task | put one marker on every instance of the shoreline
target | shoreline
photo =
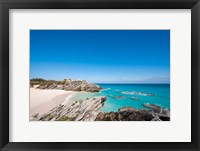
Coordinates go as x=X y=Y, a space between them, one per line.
x=42 y=101
x=67 y=99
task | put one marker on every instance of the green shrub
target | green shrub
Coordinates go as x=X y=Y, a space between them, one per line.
x=37 y=80
x=66 y=118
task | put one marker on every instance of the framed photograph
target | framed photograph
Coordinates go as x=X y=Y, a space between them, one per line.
x=99 y=75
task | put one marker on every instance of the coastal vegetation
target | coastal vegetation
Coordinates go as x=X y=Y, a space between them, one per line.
x=66 y=84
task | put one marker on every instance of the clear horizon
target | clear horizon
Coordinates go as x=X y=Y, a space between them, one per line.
x=101 y=56
x=107 y=83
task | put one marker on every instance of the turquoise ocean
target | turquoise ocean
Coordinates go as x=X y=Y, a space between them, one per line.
x=134 y=95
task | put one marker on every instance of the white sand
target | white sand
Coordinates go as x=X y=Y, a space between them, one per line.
x=42 y=101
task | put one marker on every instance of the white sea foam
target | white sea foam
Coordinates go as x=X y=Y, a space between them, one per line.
x=138 y=93
x=105 y=89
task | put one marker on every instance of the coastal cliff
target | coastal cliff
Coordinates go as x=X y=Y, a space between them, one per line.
x=66 y=84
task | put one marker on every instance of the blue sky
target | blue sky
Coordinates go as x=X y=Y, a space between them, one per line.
x=101 y=56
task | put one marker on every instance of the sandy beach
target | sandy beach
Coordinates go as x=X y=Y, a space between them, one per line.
x=42 y=101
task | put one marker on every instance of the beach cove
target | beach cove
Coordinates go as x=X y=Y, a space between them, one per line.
x=78 y=100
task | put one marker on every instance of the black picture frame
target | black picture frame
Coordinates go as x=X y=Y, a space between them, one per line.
x=5 y=5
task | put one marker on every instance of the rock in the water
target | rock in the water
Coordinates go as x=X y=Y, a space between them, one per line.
x=138 y=93
x=150 y=94
x=151 y=106
x=82 y=110
x=134 y=98
x=127 y=109
x=119 y=97
x=132 y=114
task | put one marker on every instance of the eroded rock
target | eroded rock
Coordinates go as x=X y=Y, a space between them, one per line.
x=68 y=85
x=82 y=110
x=131 y=114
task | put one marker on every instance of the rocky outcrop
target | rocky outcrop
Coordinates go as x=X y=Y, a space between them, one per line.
x=134 y=98
x=89 y=110
x=82 y=110
x=138 y=93
x=68 y=85
x=119 y=97
x=155 y=113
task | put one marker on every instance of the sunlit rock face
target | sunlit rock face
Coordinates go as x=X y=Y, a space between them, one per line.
x=68 y=85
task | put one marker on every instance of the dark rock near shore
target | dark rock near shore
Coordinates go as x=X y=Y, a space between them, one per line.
x=152 y=106
x=163 y=113
x=131 y=114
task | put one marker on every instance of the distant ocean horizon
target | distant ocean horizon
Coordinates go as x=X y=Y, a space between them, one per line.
x=126 y=94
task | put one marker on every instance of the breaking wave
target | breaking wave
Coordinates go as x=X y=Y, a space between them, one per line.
x=138 y=93
x=105 y=89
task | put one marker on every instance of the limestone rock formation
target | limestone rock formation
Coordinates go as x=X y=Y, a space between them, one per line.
x=82 y=110
x=67 y=84
x=131 y=114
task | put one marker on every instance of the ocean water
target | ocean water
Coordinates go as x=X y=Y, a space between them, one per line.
x=134 y=95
